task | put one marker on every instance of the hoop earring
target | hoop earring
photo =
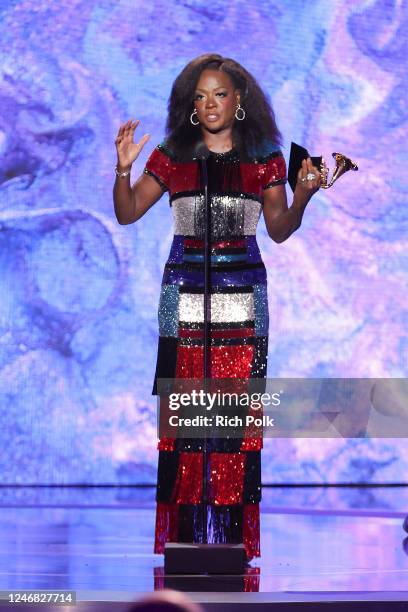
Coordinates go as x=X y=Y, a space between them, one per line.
x=191 y=117
x=239 y=108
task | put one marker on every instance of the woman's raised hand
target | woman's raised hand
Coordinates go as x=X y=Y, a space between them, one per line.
x=126 y=149
x=305 y=187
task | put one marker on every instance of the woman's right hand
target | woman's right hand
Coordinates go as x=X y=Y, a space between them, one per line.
x=126 y=149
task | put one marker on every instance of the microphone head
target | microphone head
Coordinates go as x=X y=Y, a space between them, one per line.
x=201 y=151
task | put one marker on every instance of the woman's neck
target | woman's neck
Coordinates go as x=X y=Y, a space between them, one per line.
x=218 y=143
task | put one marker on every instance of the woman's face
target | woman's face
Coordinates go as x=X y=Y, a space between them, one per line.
x=216 y=100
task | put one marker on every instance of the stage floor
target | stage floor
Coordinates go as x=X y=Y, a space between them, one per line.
x=98 y=542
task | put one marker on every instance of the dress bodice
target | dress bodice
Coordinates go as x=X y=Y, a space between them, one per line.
x=235 y=189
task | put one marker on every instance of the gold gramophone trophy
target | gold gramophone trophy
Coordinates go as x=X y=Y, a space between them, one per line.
x=343 y=164
x=298 y=154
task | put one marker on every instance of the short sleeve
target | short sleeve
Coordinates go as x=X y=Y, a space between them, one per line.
x=158 y=166
x=275 y=170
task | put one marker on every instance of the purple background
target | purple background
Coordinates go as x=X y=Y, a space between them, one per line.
x=79 y=293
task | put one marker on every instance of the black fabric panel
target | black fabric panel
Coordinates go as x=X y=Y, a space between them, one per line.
x=224 y=251
x=216 y=445
x=225 y=290
x=223 y=325
x=278 y=182
x=190 y=523
x=265 y=158
x=225 y=267
x=166 y=475
x=259 y=361
x=189 y=445
x=240 y=341
x=224 y=523
x=166 y=360
x=252 y=478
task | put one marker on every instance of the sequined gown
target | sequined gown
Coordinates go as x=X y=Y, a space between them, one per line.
x=239 y=338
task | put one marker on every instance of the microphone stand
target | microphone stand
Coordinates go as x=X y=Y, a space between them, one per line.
x=179 y=558
x=203 y=153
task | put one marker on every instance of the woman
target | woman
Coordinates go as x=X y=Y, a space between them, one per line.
x=216 y=101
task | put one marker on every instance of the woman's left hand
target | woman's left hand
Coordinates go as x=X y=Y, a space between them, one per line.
x=305 y=188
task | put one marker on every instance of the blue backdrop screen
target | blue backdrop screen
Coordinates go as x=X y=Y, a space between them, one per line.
x=79 y=293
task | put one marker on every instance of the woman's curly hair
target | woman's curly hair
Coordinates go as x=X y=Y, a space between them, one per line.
x=252 y=137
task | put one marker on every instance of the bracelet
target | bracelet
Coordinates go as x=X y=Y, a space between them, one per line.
x=122 y=174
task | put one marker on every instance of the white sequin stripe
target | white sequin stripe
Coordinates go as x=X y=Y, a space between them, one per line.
x=225 y=307
x=185 y=213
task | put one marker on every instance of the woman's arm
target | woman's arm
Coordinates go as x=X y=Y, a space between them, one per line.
x=131 y=202
x=280 y=220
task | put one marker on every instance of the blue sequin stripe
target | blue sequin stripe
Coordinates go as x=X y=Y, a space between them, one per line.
x=178 y=255
x=189 y=257
x=186 y=274
x=195 y=278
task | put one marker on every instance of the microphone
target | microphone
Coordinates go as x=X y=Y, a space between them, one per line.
x=201 y=151
x=201 y=154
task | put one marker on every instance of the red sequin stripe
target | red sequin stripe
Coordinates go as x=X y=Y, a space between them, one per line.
x=226 y=361
x=226 y=479
x=231 y=361
x=158 y=574
x=256 y=176
x=242 y=332
x=250 y=531
x=189 y=362
x=181 y=177
x=166 y=529
x=188 y=485
x=223 y=244
x=251 y=579
x=226 y=482
x=159 y=164
x=275 y=170
x=190 y=333
x=251 y=444
x=253 y=433
x=184 y=177
x=164 y=444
